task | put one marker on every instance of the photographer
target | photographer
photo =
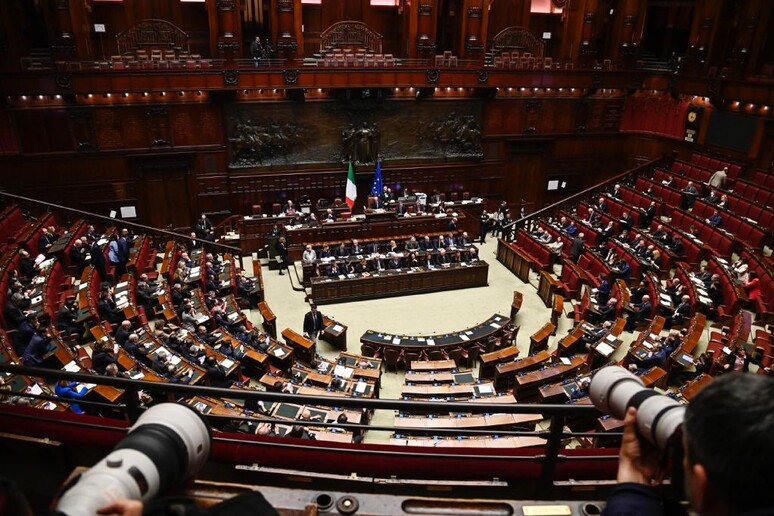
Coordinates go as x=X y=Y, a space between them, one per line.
x=727 y=439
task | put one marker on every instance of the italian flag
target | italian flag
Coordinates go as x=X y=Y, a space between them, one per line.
x=351 y=188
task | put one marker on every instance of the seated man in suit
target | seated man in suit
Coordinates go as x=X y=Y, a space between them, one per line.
x=689 y=195
x=134 y=347
x=627 y=221
x=107 y=309
x=715 y=220
x=35 y=353
x=442 y=258
x=78 y=255
x=356 y=249
x=591 y=217
x=607 y=232
x=333 y=270
x=602 y=205
x=464 y=240
x=394 y=262
x=713 y=197
x=622 y=269
x=342 y=251
x=412 y=245
x=641 y=313
x=449 y=241
x=616 y=193
x=681 y=313
x=607 y=311
x=372 y=247
x=571 y=229
x=426 y=244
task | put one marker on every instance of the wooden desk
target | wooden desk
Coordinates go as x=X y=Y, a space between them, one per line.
x=483 y=442
x=689 y=390
x=334 y=333
x=269 y=319
x=513 y=260
x=420 y=423
x=432 y=365
x=490 y=360
x=391 y=283
x=556 y=311
x=504 y=373
x=518 y=299
x=449 y=391
x=477 y=334
x=547 y=286
x=548 y=374
x=539 y=340
x=440 y=377
x=304 y=348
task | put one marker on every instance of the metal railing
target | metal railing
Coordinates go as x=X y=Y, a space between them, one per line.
x=548 y=457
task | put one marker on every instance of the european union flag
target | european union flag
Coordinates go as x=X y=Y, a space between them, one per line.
x=377 y=186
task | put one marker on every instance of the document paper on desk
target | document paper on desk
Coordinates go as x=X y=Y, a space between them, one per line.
x=605 y=349
x=361 y=387
x=566 y=361
x=342 y=371
x=337 y=328
x=72 y=367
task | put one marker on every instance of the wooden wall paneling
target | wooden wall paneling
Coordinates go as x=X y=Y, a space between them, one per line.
x=514 y=13
x=225 y=28
x=165 y=191
x=312 y=25
x=387 y=22
x=540 y=23
x=474 y=18
x=42 y=131
x=195 y=21
x=588 y=38
x=623 y=43
x=61 y=31
x=286 y=20
x=114 y=17
x=572 y=30
x=760 y=22
x=196 y=124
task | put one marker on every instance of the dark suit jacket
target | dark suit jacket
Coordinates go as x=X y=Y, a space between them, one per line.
x=313 y=322
x=577 y=247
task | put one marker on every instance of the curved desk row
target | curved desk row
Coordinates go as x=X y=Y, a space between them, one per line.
x=492 y=327
x=399 y=282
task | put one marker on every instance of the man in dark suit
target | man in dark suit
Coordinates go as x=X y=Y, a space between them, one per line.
x=356 y=248
x=426 y=244
x=204 y=229
x=107 y=309
x=77 y=255
x=313 y=323
x=576 y=249
x=442 y=258
x=45 y=241
x=67 y=316
x=682 y=312
x=34 y=353
x=650 y=214
x=97 y=258
x=627 y=221
x=641 y=313
x=715 y=220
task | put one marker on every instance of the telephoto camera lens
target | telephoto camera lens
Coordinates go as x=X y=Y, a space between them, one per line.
x=168 y=444
x=614 y=389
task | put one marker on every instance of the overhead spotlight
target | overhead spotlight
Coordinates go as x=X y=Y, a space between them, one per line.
x=126 y=95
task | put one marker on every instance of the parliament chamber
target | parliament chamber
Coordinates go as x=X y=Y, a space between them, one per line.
x=496 y=198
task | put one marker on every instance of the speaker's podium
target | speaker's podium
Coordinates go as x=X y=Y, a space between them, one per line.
x=273 y=263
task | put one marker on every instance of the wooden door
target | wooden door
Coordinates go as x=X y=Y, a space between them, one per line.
x=164 y=192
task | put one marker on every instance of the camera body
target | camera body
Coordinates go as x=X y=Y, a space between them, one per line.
x=167 y=444
x=614 y=389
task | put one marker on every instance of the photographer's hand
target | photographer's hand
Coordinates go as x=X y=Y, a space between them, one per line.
x=639 y=461
x=122 y=508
